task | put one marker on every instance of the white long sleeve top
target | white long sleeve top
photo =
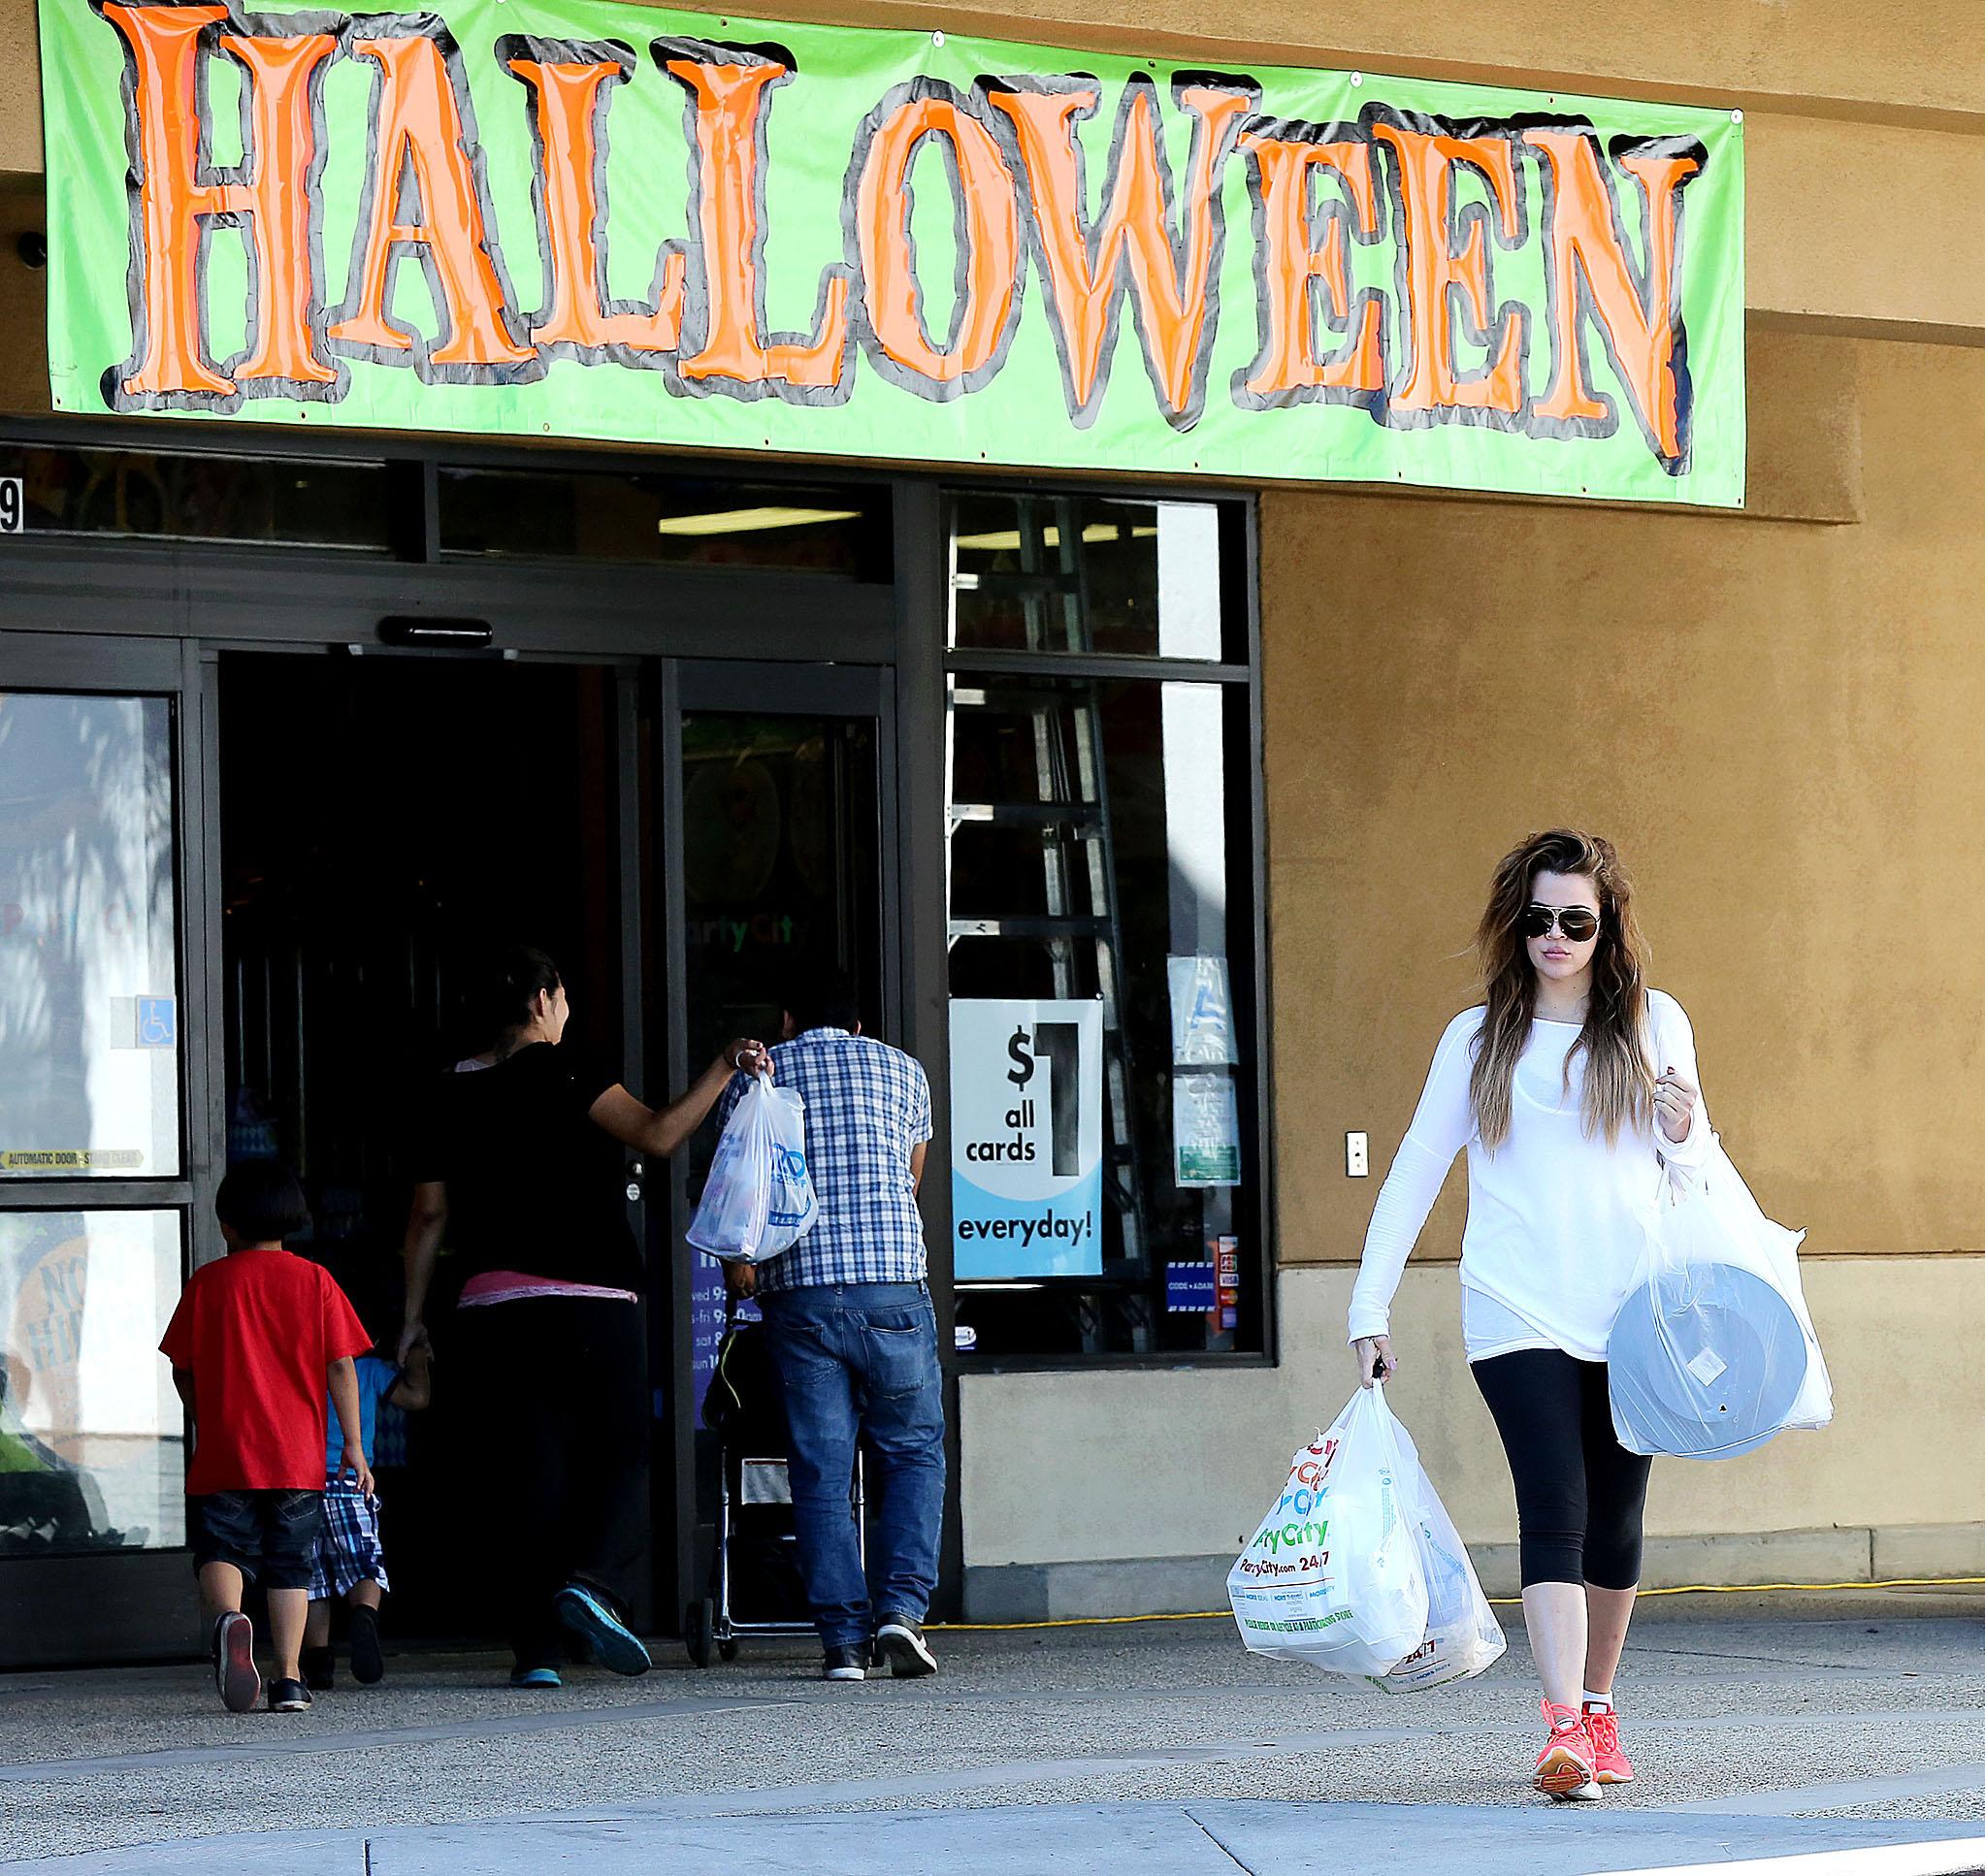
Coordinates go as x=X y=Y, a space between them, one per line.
x=1554 y=1236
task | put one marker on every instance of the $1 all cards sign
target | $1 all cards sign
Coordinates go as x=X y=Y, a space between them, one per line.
x=1026 y=1137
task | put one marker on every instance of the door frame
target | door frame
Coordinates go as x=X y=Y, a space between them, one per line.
x=761 y=688
x=131 y=1604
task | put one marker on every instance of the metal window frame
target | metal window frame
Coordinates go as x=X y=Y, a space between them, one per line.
x=1240 y=589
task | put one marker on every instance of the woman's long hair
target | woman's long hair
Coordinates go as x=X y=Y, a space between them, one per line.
x=1619 y=1082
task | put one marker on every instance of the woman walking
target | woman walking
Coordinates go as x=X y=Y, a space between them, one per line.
x=1567 y=1086
x=520 y=1161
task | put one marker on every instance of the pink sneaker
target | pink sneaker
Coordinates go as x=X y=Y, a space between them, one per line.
x=1609 y=1764
x=1565 y=1768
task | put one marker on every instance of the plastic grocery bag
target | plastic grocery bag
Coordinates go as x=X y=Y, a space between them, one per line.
x=1463 y=1635
x=759 y=1199
x=1333 y=1575
x=1715 y=1353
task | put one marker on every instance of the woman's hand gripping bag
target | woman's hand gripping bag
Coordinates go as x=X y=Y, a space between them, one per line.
x=759 y=1199
x=1714 y=1354
x=1463 y=1635
x=1333 y=1576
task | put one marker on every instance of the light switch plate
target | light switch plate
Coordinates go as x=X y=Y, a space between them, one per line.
x=1357 y=1157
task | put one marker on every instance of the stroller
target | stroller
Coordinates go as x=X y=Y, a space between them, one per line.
x=755 y=1564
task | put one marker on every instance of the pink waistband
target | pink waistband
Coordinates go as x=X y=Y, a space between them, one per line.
x=516 y=1286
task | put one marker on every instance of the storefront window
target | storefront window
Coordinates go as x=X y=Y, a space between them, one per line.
x=266 y=501
x=1102 y=930
x=671 y=520
x=91 y=1433
x=1090 y=573
x=89 y=1056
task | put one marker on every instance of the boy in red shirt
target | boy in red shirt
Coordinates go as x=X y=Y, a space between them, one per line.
x=253 y=1343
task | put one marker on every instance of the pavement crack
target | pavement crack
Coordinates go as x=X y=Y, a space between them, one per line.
x=1212 y=1837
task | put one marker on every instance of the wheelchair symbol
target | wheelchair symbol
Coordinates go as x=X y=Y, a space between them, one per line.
x=157 y=1022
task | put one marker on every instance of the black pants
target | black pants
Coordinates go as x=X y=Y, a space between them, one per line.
x=557 y=1395
x=1580 y=1493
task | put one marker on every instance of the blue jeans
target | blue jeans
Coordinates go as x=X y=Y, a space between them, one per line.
x=858 y=1364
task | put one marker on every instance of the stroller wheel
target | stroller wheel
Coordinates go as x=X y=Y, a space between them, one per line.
x=698 y=1622
x=727 y=1649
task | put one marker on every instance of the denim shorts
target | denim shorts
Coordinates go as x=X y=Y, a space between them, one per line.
x=271 y=1536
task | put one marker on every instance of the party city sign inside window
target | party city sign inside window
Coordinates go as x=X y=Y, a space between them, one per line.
x=1026 y=1137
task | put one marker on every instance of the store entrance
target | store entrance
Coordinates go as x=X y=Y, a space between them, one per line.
x=387 y=823
x=680 y=837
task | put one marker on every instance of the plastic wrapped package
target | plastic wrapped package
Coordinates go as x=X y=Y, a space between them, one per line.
x=1715 y=1353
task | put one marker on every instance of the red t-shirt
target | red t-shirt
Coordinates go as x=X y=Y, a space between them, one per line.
x=257 y=1331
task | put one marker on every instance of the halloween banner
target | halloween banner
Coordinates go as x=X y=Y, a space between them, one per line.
x=571 y=218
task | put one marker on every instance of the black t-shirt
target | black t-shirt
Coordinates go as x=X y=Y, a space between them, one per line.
x=532 y=1185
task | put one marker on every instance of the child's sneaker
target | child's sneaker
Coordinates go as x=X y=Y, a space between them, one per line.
x=1565 y=1768
x=319 y=1666
x=368 y=1664
x=234 y=1662
x=1610 y=1763
x=288 y=1696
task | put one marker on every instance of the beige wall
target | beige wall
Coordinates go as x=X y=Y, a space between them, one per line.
x=1181 y=1463
x=1776 y=721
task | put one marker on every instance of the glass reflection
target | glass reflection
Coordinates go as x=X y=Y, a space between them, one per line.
x=91 y=1435
x=1085 y=573
x=88 y=1020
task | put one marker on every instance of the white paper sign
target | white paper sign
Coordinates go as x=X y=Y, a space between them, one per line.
x=1202 y=1011
x=1206 y=1128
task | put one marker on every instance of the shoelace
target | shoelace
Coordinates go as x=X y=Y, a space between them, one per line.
x=1562 y=1719
x=1605 y=1730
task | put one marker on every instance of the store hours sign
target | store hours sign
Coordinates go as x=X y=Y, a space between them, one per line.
x=1026 y=1137
x=576 y=218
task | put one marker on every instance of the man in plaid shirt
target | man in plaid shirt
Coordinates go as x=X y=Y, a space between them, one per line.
x=854 y=1337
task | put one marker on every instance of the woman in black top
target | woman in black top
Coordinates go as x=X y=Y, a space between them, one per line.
x=519 y=1161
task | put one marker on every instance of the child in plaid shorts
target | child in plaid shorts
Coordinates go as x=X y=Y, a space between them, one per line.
x=350 y=1564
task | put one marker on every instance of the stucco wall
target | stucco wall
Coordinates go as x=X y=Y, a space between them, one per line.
x=1776 y=721
x=1179 y=1465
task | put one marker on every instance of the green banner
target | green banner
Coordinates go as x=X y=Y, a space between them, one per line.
x=571 y=218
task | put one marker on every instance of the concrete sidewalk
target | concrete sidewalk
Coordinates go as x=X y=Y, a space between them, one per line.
x=1768 y=1728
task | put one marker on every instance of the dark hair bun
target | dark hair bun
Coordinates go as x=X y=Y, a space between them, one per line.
x=512 y=981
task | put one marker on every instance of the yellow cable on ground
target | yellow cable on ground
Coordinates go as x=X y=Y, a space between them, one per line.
x=1505 y=1601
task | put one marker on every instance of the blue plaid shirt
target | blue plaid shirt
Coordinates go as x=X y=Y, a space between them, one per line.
x=867 y=1106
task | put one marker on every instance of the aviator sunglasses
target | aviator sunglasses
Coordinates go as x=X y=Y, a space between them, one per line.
x=1577 y=921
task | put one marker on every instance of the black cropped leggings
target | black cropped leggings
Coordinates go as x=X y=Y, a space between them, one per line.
x=1580 y=1493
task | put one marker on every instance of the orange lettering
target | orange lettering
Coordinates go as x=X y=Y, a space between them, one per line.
x=1434 y=269
x=423 y=157
x=988 y=244
x=570 y=87
x=730 y=89
x=274 y=199
x=1131 y=246
x=1639 y=311
x=1289 y=267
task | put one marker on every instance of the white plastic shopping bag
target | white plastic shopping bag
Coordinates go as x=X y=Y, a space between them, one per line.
x=1333 y=1575
x=1463 y=1635
x=759 y=1200
x=1715 y=1353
